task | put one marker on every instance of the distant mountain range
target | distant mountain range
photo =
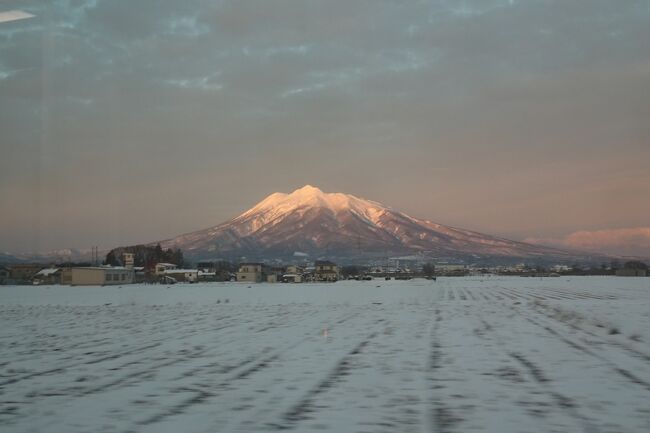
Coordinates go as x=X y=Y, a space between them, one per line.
x=56 y=256
x=311 y=223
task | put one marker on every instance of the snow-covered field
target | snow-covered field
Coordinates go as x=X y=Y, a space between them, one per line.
x=460 y=354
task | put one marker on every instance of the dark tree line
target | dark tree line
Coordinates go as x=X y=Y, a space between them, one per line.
x=635 y=264
x=218 y=266
x=429 y=269
x=353 y=271
x=146 y=256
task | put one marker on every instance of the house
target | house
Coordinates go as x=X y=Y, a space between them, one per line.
x=560 y=268
x=97 y=276
x=215 y=270
x=293 y=269
x=407 y=263
x=274 y=275
x=250 y=272
x=293 y=274
x=162 y=267
x=66 y=276
x=139 y=274
x=326 y=271
x=23 y=273
x=451 y=270
x=47 y=276
x=183 y=275
x=128 y=259
x=292 y=278
x=4 y=275
x=206 y=275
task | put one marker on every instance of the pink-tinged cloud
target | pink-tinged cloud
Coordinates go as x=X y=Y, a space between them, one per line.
x=626 y=241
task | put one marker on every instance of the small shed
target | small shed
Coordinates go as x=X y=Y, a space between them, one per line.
x=183 y=275
x=47 y=276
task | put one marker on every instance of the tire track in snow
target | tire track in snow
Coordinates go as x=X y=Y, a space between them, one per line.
x=78 y=364
x=625 y=373
x=300 y=411
x=97 y=360
x=561 y=401
x=575 y=327
x=203 y=393
x=441 y=417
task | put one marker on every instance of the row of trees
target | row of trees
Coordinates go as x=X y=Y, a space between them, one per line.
x=146 y=256
x=635 y=264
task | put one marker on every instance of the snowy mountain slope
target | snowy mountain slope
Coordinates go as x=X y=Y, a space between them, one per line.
x=335 y=224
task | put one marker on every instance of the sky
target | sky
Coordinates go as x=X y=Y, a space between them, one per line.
x=128 y=121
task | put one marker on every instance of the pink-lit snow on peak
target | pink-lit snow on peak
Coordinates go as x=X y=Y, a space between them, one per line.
x=309 y=196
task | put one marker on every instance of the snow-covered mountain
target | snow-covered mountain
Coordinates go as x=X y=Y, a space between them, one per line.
x=309 y=221
x=54 y=256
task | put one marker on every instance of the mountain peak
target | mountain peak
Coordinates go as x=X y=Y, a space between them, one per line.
x=278 y=204
x=307 y=192
x=308 y=189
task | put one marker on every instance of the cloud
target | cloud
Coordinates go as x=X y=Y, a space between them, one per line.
x=187 y=26
x=633 y=241
x=207 y=82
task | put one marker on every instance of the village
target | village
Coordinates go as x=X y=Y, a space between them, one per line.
x=166 y=273
x=257 y=272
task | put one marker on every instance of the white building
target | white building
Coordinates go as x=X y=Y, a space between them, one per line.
x=183 y=275
x=292 y=278
x=162 y=267
x=48 y=276
x=97 y=276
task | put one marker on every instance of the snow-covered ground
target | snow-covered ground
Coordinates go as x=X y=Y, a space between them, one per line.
x=460 y=354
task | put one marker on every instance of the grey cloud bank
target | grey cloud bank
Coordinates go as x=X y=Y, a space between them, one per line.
x=128 y=121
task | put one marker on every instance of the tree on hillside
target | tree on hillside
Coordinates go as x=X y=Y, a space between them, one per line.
x=353 y=271
x=111 y=259
x=429 y=269
x=177 y=258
